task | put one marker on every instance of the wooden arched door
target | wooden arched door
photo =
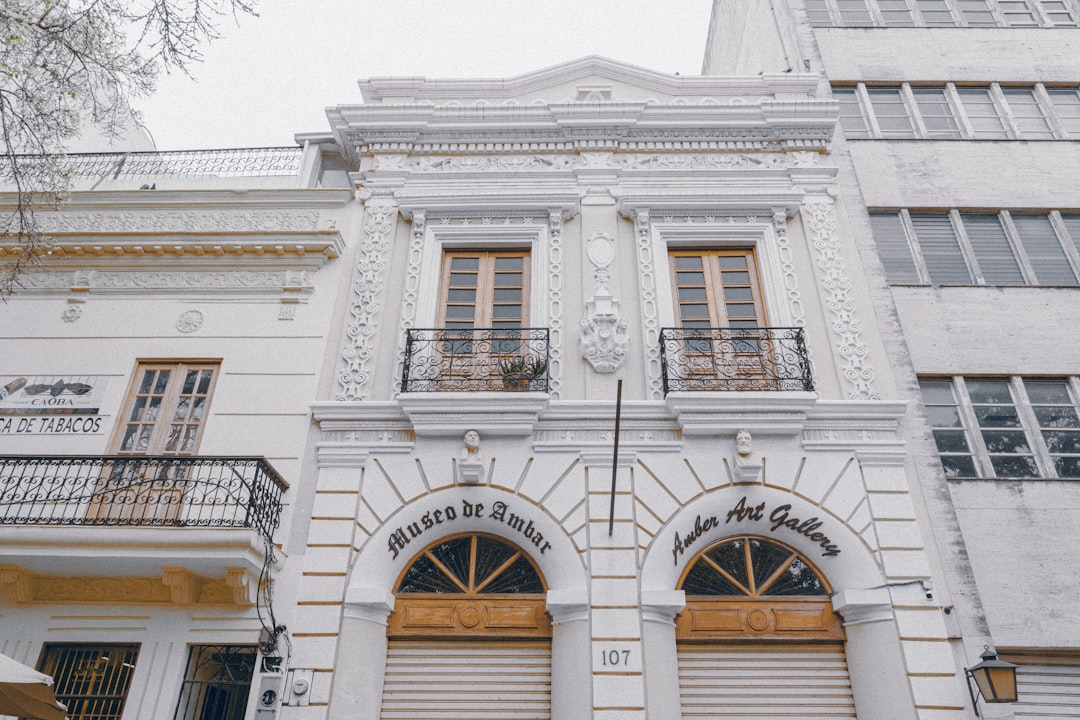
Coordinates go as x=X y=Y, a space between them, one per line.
x=469 y=635
x=759 y=636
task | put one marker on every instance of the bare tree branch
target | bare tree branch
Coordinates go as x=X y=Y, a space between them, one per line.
x=69 y=64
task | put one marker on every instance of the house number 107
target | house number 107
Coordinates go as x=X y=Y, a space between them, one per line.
x=609 y=658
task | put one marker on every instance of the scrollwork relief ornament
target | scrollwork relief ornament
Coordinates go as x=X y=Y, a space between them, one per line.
x=787 y=265
x=367 y=287
x=603 y=340
x=821 y=220
x=71 y=313
x=555 y=227
x=650 y=315
x=412 y=289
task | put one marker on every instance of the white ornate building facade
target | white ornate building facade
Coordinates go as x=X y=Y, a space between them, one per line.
x=576 y=395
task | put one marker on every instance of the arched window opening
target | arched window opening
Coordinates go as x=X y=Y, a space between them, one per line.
x=751 y=588
x=471 y=585
x=759 y=636
x=469 y=631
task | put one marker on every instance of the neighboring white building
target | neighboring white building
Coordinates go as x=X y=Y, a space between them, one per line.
x=961 y=136
x=422 y=320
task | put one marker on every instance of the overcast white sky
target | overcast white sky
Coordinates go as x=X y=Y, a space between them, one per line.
x=275 y=74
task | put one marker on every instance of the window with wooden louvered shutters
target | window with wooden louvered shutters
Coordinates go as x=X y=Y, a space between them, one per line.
x=941 y=249
x=893 y=248
x=997 y=261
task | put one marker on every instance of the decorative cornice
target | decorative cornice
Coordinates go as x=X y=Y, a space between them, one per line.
x=378 y=89
x=294 y=284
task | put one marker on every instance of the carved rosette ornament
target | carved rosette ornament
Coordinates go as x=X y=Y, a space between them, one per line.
x=845 y=323
x=359 y=346
x=603 y=340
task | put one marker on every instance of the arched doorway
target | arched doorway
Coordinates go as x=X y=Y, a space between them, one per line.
x=469 y=635
x=758 y=637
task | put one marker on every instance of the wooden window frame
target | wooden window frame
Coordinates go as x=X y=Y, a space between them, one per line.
x=170 y=398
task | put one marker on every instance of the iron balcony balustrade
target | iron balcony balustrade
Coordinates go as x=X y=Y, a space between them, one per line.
x=239 y=162
x=153 y=491
x=474 y=360
x=734 y=359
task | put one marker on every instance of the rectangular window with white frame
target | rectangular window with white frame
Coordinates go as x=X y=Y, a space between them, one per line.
x=959 y=112
x=942 y=13
x=1007 y=248
x=1005 y=427
x=166 y=408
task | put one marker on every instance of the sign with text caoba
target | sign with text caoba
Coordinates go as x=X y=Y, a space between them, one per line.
x=51 y=404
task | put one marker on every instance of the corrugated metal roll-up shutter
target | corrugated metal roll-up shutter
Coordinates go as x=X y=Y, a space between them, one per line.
x=1047 y=691
x=751 y=682
x=467 y=680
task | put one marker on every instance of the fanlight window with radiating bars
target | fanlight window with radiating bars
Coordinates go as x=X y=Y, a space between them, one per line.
x=749 y=587
x=471 y=584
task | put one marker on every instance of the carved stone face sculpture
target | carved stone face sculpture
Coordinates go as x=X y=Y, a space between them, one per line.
x=472 y=440
x=743 y=442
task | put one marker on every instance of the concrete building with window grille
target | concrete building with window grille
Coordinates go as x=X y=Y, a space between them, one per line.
x=960 y=135
x=595 y=393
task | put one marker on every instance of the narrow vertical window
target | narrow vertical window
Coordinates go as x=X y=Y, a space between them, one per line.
x=851 y=116
x=1044 y=251
x=854 y=13
x=995 y=256
x=166 y=409
x=896 y=13
x=982 y=114
x=976 y=13
x=940 y=249
x=937 y=114
x=1030 y=119
x=1057 y=13
x=893 y=248
x=1017 y=13
x=891 y=113
x=936 y=13
x=947 y=424
x=1059 y=425
x=1000 y=428
x=1066 y=103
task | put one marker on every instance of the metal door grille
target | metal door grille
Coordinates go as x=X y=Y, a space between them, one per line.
x=92 y=680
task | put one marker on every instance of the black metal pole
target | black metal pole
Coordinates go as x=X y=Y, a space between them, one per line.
x=615 y=459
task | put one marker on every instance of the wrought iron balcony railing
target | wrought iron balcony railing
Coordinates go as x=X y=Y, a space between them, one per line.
x=240 y=162
x=729 y=359
x=440 y=360
x=141 y=490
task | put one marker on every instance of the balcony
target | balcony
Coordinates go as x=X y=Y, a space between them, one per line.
x=734 y=360
x=476 y=360
x=201 y=524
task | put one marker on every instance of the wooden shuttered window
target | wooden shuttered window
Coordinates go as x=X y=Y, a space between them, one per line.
x=717 y=288
x=1044 y=250
x=484 y=289
x=1047 y=687
x=995 y=256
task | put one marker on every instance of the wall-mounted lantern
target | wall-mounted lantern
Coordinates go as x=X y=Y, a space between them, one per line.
x=995 y=679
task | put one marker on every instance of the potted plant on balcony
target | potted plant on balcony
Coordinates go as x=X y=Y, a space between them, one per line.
x=519 y=372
